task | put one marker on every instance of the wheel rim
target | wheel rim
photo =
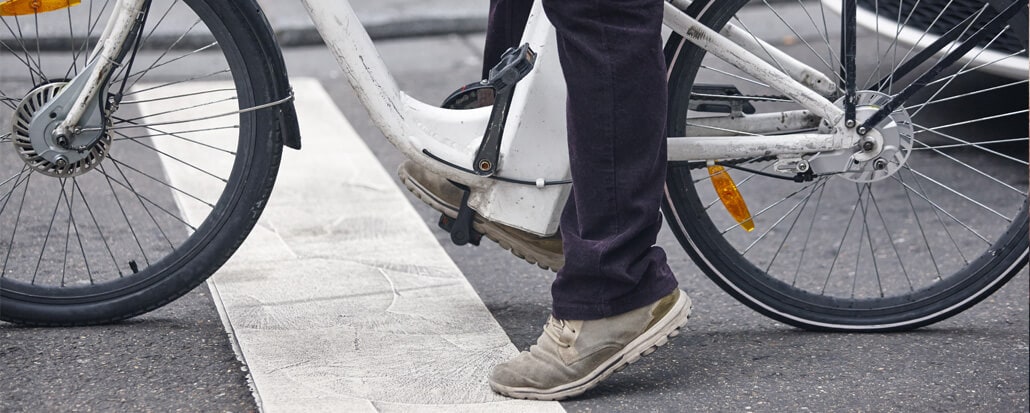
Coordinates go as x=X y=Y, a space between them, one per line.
x=929 y=231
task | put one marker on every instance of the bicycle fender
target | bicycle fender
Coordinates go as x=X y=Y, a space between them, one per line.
x=276 y=75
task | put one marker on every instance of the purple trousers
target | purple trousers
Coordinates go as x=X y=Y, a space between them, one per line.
x=614 y=66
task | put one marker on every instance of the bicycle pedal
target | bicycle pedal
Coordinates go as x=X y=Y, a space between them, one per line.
x=719 y=99
x=471 y=96
x=460 y=228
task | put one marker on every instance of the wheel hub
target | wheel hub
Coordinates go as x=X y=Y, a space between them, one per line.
x=881 y=151
x=60 y=157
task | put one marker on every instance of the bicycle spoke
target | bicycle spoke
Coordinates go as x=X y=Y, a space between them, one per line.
x=184 y=95
x=798 y=35
x=18 y=181
x=46 y=239
x=862 y=233
x=974 y=68
x=961 y=195
x=121 y=208
x=760 y=44
x=940 y=221
x=890 y=237
x=199 y=105
x=979 y=172
x=142 y=73
x=32 y=70
x=968 y=94
x=163 y=183
x=967 y=143
x=801 y=204
x=941 y=89
x=20 y=37
x=918 y=41
x=823 y=35
x=808 y=235
x=939 y=208
x=964 y=145
x=139 y=198
x=97 y=224
x=793 y=223
x=792 y=194
x=176 y=134
x=735 y=76
x=869 y=238
x=197 y=168
x=175 y=216
x=179 y=82
x=17 y=221
x=967 y=122
x=164 y=53
x=840 y=246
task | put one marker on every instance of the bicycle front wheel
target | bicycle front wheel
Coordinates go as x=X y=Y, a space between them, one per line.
x=136 y=215
x=880 y=244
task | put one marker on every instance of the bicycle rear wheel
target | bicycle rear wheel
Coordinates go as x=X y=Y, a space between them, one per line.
x=937 y=229
x=167 y=192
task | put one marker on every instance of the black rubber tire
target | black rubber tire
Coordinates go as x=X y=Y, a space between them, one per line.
x=774 y=298
x=216 y=239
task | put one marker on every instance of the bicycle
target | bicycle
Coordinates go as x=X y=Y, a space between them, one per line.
x=818 y=143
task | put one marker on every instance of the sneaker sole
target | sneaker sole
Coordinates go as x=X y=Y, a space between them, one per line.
x=489 y=230
x=660 y=334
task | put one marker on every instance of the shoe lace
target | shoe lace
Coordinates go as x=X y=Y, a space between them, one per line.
x=554 y=329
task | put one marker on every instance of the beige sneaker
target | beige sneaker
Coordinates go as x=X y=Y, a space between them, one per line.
x=443 y=196
x=571 y=357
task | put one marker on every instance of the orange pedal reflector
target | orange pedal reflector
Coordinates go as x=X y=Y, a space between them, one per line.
x=730 y=197
x=23 y=7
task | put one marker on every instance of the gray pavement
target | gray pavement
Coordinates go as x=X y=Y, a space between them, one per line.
x=731 y=359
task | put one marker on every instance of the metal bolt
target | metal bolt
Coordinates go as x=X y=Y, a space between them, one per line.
x=849 y=123
x=862 y=130
x=485 y=165
x=61 y=161
x=868 y=146
x=880 y=164
x=62 y=140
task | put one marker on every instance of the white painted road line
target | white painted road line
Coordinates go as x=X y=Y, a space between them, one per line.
x=341 y=299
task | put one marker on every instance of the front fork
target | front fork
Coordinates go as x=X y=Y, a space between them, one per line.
x=82 y=96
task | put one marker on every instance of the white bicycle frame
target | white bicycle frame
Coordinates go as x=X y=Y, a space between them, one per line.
x=532 y=148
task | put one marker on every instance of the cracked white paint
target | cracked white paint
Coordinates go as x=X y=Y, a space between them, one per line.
x=341 y=299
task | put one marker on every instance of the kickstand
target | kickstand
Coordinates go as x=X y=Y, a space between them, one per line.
x=461 y=227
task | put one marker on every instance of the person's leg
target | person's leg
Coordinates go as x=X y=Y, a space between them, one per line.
x=504 y=30
x=611 y=54
x=616 y=298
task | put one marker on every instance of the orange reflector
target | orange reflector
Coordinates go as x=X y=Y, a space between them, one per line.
x=730 y=196
x=23 y=7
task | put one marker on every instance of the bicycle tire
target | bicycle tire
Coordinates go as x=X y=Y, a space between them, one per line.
x=130 y=282
x=727 y=256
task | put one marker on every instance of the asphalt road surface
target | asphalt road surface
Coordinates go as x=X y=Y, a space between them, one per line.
x=731 y=359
